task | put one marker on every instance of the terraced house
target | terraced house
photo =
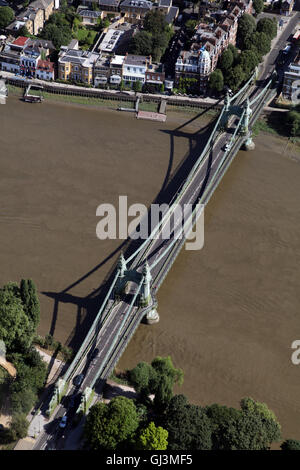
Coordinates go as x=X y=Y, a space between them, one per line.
x=76 y=65
x=33 y=17
x=209 y=41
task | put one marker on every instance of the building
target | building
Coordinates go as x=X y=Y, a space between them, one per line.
x=33 y=17
x=110 y=40
x=110 y=6
x=90 y=17
x=287 y=7
x=76 y=65
x=10 y=55
x=155 y=74
x=45 y=70
x=291 y=81
x=134 y=68
x=209 y=42
x=170 y=12
x=135 y=10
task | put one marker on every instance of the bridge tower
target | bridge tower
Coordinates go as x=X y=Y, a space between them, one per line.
x=121 y=282
x=145 y=291
x=249 y=144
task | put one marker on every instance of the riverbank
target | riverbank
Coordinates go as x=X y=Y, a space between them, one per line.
x=109 y=104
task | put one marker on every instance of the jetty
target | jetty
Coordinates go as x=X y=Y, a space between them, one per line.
x=29 y=98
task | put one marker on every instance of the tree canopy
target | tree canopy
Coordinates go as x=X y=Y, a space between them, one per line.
x=188 y=425
x=6 y=16
x=246 y=27
x=267 y=26
x=109 y=425
x=216 y=80
x=258 y=6
x=152 y=438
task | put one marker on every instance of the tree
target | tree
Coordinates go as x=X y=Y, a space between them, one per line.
x=141 y=43
x=137 y=86
x=248 y=60
x=14 y=324
x=226 y=60
x=216 y=80
x=235 y=77
x=190 y=26
x=6 y=16
x=292 y=120
x=267 y=26
x=254 y=427
x=142 y=377
x=154 y=22
x=18 y=427
x=258 y=6
x=234 y=50
x=188 y=425
x=30 y=301
x=246 y=27
x=152 y=438
x=23 y=31
x=259 y=42
x=290 y=444
x=57 y=34
x=164 y=380
x=108 y=426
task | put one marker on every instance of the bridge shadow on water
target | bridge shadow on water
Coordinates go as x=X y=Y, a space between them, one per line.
x=88 y=306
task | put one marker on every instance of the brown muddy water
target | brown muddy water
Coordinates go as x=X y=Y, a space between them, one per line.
x=228 y=313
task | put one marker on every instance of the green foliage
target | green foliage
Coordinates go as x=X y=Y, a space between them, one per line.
x=58 y=28
x=258 y=6
x=216 y=80
x=189 y=86
x=142 y=377
x=18 y=427
x=235 y=77
x=108 y=426
x=190 y=26
x=137 y=86
x=254 y=427
x=259 y=42
x=164 y=380
x=6 y=16
x=290 y=444
x=14 y=325
x=153 y=40
x=23 y=31
x=155 y=22
x=234 y=50
x=248 y=60
x=152 y=438
x=246 y=27
x=141 y=43
x=188 y=425
x=292 y=119
x=267 y=26
x=226 y=60
x=31 y=302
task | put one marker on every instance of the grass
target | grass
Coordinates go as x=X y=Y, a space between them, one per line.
x=119 y=378
x=148 y=106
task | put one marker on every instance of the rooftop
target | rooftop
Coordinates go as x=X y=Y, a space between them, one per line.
x=131 y=59
x=20 y=41
x=137 y=3
x=45 y=65
x=89 y=13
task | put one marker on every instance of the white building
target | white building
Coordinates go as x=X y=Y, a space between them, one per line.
x=134 y=68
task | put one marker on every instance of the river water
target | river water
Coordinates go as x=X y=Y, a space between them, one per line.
x=228 y=313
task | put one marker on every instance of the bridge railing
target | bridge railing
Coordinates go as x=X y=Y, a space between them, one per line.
x=88 y=338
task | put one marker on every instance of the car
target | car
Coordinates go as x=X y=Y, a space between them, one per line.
x=63 y=422
x=226 y=146
x=78 y=379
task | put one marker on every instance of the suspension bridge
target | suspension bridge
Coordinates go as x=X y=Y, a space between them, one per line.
x=131 y=296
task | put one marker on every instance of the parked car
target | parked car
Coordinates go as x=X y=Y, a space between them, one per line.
x=78 y=379
x=226 y=146
x=63 y=422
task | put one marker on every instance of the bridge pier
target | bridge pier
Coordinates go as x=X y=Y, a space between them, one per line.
x=249 y=144
x=152 y=317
